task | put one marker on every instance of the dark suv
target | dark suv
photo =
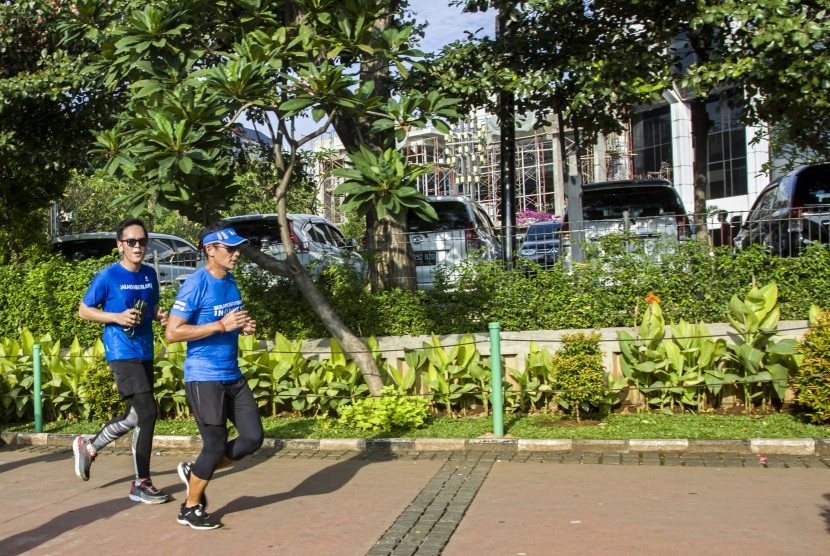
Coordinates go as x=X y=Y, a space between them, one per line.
x=790 y=213
x=542 y=243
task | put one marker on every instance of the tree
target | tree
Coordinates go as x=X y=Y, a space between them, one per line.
x=776 y=52
x=610 y=54
x=191 y=70
x=44 y=118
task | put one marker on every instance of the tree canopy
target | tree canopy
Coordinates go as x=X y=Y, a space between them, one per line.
x=45 y=115
x=597 y=60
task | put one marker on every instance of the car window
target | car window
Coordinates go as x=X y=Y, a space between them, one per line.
x=257 y=231
x=452 y=215
x=813 y=187
x=333 y=234
x=764 y=203
x=539 y=231
x=86 y=248
x=483 y=221
x=606 y=204
x=317 y=233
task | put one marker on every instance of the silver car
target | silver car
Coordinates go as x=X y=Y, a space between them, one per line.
x=649 y=209
x=174 y=258
x=462 y=228
x=317 y=241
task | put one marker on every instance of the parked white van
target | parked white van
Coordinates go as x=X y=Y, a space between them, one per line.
x=462 y=228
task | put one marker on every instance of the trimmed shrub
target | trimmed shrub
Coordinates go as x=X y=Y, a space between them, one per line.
x=578 y=375
x=385 y=413
x=812 y=380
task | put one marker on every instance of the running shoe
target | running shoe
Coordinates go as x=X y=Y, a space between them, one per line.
x=184 y=469
x=145 y=492
x=197 y=517
x=84 y=456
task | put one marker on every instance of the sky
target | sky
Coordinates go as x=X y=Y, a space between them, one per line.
x=447 y=24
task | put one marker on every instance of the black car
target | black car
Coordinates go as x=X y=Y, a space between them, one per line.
x=542 y=243
x=790 y=213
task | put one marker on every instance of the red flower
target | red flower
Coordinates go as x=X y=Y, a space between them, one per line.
x=652 y=298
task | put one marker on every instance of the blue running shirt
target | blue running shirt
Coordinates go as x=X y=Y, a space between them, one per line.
x=114 y=290
x=203 y=299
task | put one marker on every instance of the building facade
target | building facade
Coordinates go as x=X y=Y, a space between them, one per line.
x=657 y=142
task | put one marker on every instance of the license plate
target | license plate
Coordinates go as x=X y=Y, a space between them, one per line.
x=425 y=258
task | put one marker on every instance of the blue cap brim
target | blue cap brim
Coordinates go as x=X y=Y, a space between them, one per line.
x=226 y=236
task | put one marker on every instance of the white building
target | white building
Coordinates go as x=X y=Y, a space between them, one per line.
x=656 y=143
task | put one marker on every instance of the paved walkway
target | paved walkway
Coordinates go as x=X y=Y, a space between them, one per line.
x=385 y=501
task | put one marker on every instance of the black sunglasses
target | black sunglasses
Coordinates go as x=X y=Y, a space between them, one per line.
x=142 y=241
x=228 y=248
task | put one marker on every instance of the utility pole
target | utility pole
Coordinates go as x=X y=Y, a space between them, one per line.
x=507 y=151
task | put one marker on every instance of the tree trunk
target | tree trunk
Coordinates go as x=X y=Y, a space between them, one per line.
x=393 y=261
x=700 y=131
x=392 y=265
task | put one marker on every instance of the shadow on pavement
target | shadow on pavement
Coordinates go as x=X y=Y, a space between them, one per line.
x=60 y=524
x=325 y=481
x=50 y=457
x=825 y=512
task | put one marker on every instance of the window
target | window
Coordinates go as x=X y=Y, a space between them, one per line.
x=651 y=138
x=727 y=151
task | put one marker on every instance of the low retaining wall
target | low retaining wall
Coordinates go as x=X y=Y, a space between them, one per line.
x=516 y=345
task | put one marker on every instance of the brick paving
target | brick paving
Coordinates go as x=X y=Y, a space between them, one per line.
x=389 y=499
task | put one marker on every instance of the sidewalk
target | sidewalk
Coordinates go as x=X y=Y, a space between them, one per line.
x=490 y=498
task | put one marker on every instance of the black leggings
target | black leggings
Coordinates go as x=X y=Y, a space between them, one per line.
x=213 y=405
x=216 y=444
x=140 y=415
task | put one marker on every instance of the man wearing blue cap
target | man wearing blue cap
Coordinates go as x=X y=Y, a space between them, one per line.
x=209 y=316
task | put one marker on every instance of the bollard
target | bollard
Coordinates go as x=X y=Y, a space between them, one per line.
x=496 y=386
x=38 y=399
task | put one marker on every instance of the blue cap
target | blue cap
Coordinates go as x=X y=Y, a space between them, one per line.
x=226 y=236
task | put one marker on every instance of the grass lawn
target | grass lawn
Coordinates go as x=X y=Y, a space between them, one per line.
x=613 y=427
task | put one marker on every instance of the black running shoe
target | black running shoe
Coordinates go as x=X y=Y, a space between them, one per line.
x=197 y=517
x=148 y=494
x=184 y=469
x=84 y=456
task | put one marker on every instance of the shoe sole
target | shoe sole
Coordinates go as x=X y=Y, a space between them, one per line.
x=135 y=498
x=76 y=449
x=186 y=522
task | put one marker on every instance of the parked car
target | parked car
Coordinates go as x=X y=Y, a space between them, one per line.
x=316 y=239
x=542 y=242
x=790 y=213
x=650 y=209
x=462 y=228
x=174 y=258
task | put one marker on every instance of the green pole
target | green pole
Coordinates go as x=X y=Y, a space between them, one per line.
x=38 y=398
x=496 y=387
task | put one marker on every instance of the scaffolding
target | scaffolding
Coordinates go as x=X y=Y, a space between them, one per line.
x=467 y=162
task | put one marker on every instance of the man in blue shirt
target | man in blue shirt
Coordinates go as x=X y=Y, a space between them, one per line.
x=124 y=297
x=209 y=316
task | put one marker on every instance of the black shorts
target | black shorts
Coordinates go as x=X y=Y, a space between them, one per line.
x=132 y=376
x=213 y=402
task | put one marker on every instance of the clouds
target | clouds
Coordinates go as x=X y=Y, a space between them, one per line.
x=447 y=24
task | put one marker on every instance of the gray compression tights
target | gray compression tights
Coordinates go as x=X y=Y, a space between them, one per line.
x=141 y=416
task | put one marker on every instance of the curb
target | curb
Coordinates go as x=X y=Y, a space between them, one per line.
x=758 y=446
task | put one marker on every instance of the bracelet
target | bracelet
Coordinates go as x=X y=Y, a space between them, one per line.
x=221 y=327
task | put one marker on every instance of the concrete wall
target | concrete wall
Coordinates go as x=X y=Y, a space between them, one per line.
x=516 y=345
